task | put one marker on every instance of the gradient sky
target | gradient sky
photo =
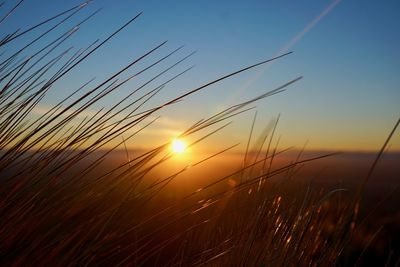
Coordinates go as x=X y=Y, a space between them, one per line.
x=347 y=51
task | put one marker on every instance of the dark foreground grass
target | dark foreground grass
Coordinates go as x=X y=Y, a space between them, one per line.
x=65 y=200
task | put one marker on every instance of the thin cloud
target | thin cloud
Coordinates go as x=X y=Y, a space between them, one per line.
x=166 y=122
x=288 y=46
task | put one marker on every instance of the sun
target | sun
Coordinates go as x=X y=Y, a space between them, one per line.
x=178 y=146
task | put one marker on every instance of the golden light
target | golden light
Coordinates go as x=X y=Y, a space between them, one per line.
x=178 y=146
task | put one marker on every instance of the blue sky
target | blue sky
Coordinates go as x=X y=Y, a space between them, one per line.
x=349 y=97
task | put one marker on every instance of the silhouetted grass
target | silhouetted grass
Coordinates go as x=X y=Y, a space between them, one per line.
x=63 y=201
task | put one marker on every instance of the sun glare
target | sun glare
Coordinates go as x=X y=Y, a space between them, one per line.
x=178 y=146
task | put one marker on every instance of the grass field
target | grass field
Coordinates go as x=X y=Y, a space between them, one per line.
x=73 y=194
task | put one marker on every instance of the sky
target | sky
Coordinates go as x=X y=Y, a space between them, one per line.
x=346 y=51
